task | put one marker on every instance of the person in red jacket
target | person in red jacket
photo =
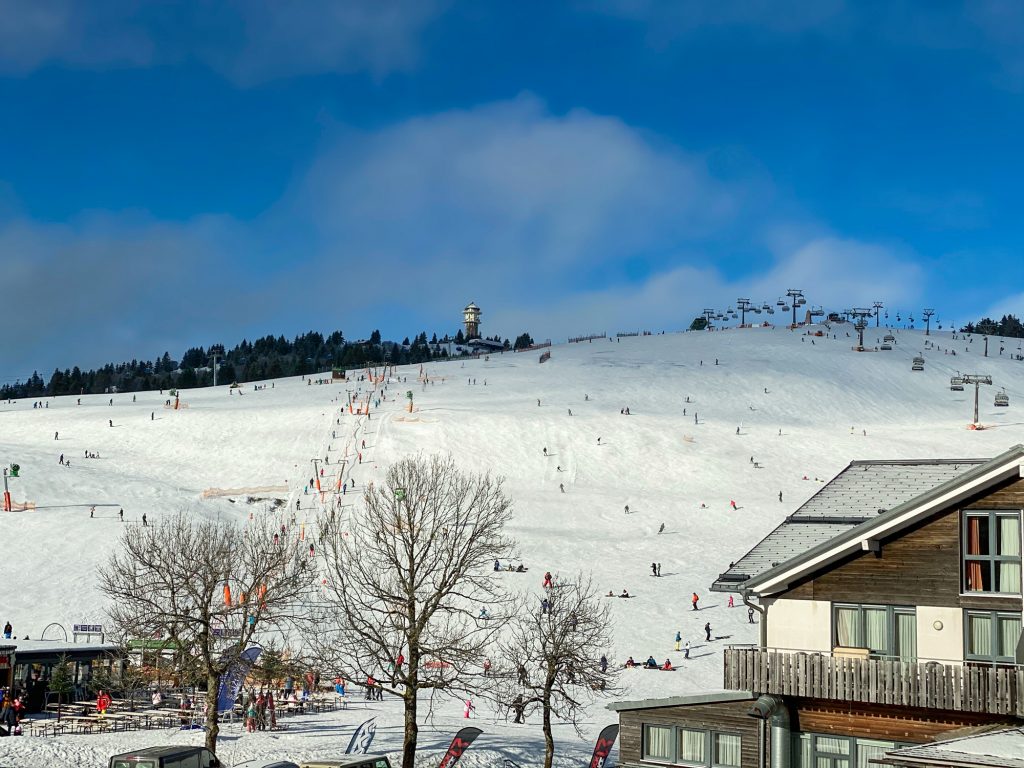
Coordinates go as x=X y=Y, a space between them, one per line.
x=102 y=703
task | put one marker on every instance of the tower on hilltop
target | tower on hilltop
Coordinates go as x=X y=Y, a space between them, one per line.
x=471 y=319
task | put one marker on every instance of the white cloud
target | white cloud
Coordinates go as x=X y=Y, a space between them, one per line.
x=248 y=41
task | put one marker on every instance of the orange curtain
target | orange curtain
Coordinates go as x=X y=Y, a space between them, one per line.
x=975 y=583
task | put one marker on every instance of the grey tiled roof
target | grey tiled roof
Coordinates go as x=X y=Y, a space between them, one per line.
x=1000 y=748
x=861 y=492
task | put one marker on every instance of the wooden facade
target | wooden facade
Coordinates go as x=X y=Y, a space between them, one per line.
x=725 y=717
x=906 y=724
x=919 y=566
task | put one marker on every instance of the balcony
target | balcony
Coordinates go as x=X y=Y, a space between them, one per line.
x=953 y=686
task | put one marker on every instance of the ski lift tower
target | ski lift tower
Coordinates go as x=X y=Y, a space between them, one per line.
x=928 y=321
x=877 y=306
x=216 y=352
x=976 y=379
x=743 y=305
x=709 y=315
x=862 y=315
x=797 y=298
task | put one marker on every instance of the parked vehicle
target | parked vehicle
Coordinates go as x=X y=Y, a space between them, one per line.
x=167 y=757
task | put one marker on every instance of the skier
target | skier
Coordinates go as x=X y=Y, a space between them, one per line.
x=661 y=529
x=659 y=569
x=686 y=650
x=654 y=569
x=61 y=459
x=599 y=441
x=707 y=631
x=111 y=422
x=545 y=606
x=152 y=415
x=679 y=639
x=56 y=435
x=92 y=511
x=120 y=514
x=570 y=411
x=467 y=709
x=731 y=601
x=145 y=524
x=627 y=509
x=603 y=663
x=780 y=495
x=561 y=487
x=732 y=504
x=693 y=601
x=545 y=450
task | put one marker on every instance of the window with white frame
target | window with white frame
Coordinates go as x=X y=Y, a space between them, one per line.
x=991 y=546
x=696 y=747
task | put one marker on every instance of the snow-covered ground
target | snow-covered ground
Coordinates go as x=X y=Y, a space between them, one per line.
x=804 y=406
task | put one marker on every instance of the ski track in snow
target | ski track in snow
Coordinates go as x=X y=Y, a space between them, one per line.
x=656 y=460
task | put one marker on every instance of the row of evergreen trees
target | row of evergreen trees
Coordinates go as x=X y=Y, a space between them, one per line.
x=270 y=357
x=1009 y=326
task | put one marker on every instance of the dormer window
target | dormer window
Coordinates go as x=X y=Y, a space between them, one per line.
x=991 y=547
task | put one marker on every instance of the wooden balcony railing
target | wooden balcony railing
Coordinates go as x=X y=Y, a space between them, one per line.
x=951 y=686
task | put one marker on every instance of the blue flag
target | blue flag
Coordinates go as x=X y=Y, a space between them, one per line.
x=231 y=681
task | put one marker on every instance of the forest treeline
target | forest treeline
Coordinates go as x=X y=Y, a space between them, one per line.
x=269 y=357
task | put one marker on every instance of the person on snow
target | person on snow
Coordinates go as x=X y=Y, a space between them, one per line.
x=661 y=528
x=650 y=663
x=561 y=487
x=707 y=631
x=545 y=606
x=120 y=515
x=102 y=703
x=497 y=565
x=603 y=663
x=8 y=630
x=518 y=707
x=467 y=709
x=654 y=569
x=667 y=666
x=693 y=601
x=732 y=504
x=524 y=679
x=145 y=524
x=625 y=593
x=487 y=667
x=547 y=580
x=679 y=639
x=630 y=664
x=686 y=650
x=56 y=435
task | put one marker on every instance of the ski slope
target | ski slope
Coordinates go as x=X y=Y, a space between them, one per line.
x=803 y=406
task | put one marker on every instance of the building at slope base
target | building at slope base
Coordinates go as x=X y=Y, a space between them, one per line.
x=890 y=613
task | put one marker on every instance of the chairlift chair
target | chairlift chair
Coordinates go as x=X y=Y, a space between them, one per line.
x=889 y=338
x=918 y=364
x=886 y=347
x=771 y=311
x=956 y=383
x=766 y=305
x=785 y=307
x=800 y=301
x=780 y=303
x=1002 y=399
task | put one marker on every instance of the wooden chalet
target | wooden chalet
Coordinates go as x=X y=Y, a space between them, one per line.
x=890 y=611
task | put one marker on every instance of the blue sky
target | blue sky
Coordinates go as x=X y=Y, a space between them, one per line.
x=179 y=174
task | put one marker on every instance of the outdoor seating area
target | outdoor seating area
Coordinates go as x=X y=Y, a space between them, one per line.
x=176 y=710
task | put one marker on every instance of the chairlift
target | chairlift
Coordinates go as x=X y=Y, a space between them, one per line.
x=917 y=364
x=817 y=312
x=780 y=303
x=800 y=301
x=887 y=314
x=785 y=307
x=757 y=310
x=886 y=347
x=956 y=383
x=897 y=317
x=771 y=311
x=1002 y=399
x=889 y=338
x=766 y=305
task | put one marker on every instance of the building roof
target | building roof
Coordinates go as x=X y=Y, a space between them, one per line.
x=999 y=748
x=60 y=646
x=978 y=477
x=858 y=494
x=470 y=306
x=715 y=697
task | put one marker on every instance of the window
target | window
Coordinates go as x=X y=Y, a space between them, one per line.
x=885 y=630
x=691 y=746
x=726 y=750
x=992 y=636
x=658 y=743
x=991 y=547
x=813 y=750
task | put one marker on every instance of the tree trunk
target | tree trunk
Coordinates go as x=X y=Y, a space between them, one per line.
x=212 y=719
x=411 y=729
x=549 y=739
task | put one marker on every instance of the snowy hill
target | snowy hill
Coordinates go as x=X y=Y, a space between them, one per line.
x=799 y=405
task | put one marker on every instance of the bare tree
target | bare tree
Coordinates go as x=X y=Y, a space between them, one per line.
x=209 y=587
x=555 y=660
x=409 y=573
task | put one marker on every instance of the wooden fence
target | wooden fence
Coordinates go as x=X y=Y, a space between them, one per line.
x=955 y=687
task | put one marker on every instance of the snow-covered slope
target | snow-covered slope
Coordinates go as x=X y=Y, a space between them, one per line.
x=802 y=405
